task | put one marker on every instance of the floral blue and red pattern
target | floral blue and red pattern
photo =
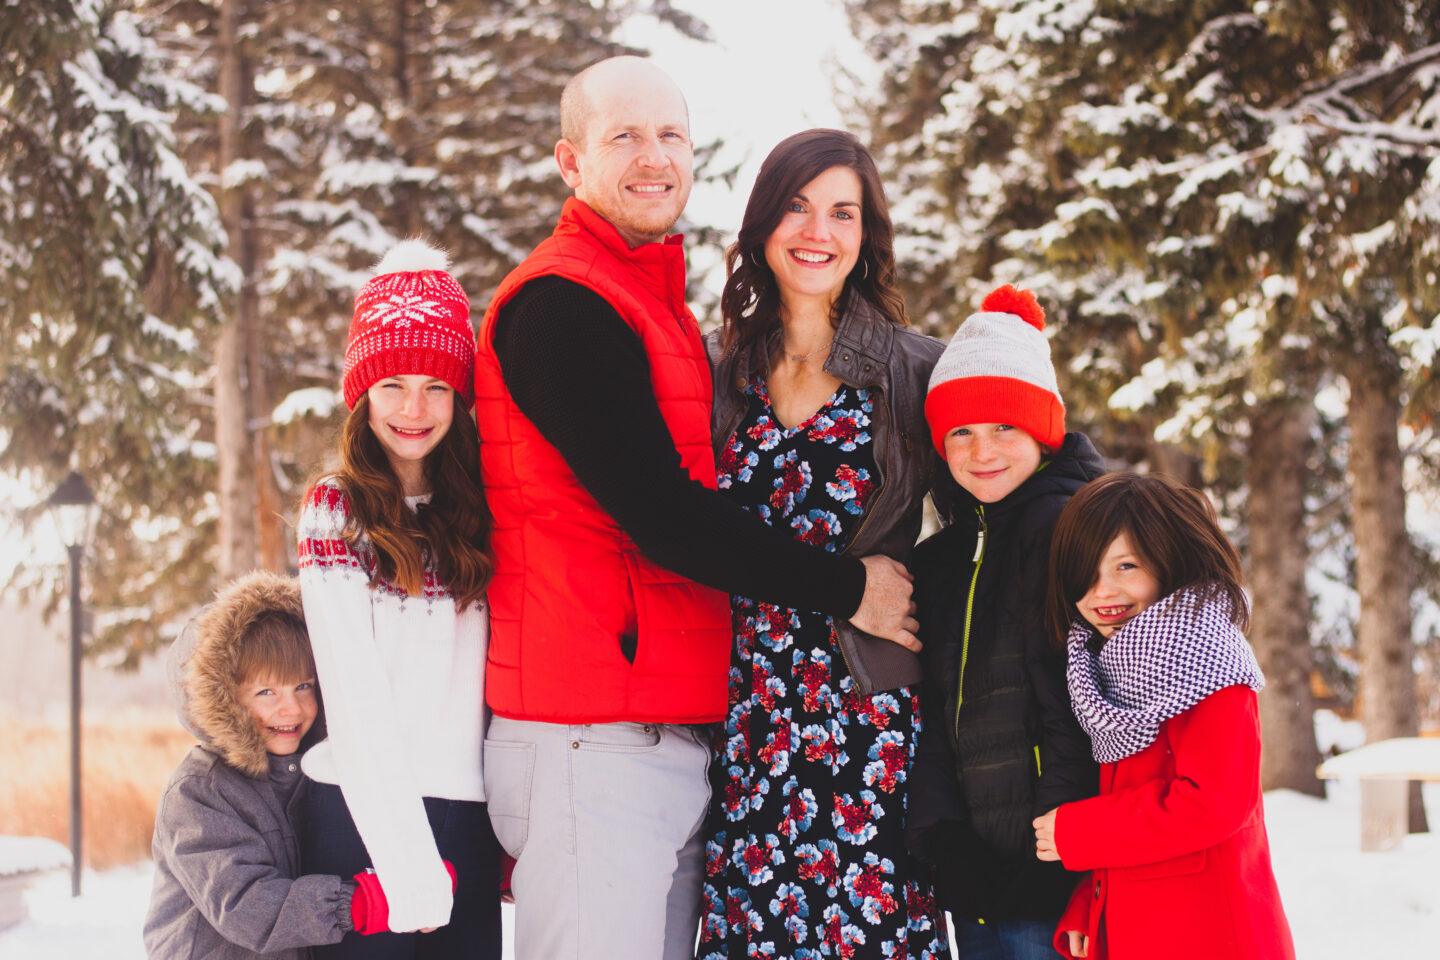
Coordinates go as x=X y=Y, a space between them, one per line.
x=807 y=858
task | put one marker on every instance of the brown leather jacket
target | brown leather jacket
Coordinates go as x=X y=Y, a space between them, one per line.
x=871 y=352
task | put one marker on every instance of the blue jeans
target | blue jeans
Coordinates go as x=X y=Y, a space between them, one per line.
x=1005 y=940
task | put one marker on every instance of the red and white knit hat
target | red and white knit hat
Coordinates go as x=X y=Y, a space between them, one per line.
x=411 y=317
x=997 y=369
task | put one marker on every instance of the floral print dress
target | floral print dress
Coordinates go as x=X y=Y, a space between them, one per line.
x=807 y=858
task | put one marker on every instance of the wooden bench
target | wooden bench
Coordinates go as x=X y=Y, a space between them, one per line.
x=1385 y=769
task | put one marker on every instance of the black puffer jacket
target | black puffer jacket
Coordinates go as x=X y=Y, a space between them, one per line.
x=1009 y=749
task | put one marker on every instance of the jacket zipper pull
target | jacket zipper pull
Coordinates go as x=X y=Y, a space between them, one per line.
x=979 y=545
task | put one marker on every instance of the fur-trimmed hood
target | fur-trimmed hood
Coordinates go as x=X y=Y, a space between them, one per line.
x=201 y=667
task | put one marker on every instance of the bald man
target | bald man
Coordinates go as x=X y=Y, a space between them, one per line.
x=614 y=555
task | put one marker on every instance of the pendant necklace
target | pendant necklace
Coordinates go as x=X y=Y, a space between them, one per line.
x=802 y=357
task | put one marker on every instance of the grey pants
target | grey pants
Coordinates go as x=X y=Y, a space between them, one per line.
x=606 y=823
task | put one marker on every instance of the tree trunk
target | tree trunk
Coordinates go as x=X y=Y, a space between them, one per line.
x=269 y=512
x=405 y=213
x=232 y=434
x=1277 y=469
x=1383 y=576
x=1176 y=462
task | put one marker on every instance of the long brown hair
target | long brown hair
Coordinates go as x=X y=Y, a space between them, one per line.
x=750 y=304
x=1171 y=527
x=452 y=531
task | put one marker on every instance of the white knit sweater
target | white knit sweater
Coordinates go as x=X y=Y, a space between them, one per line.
x=402 y=680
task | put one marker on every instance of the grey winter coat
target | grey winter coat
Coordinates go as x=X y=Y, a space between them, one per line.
x=226 y=855
x=869 y=351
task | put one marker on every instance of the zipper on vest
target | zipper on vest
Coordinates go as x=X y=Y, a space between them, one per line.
x=1038 y=772
x=977 y=560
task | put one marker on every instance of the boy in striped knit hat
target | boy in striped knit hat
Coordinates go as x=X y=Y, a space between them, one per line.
x=1000 y=740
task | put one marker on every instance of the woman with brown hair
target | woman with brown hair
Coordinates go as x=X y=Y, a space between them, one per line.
x=819 y=429
x=394 y=560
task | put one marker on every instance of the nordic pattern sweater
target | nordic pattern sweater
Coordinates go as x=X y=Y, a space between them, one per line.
x=402 y=680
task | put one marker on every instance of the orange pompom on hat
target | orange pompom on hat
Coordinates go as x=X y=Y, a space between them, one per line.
x=997 y=369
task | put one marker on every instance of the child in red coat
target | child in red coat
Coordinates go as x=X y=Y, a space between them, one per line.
x=1164 y=682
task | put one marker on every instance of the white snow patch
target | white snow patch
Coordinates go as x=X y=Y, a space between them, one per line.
x=310 y=401
x=184 y=339
x=26 y=854
x=1245 y=328
x=1415 y=756
x=1342 y=903
x=1420 y=344
x=1334 y=734
x=1277 y=285
x=239 y=172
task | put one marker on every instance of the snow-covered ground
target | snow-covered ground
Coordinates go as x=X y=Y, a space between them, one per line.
x=1342 y=904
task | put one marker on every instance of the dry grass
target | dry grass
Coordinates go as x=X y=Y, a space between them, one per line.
x=126 y=766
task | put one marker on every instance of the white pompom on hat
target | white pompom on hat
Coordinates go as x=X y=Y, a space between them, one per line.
x=411 y=317
x=997 y=369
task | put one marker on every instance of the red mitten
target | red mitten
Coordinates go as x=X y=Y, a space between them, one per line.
x=507 y=868
x=369 y=910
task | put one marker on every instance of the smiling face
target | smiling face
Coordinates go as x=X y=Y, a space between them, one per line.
x=285 y=712
x=817 y=242
x=991 y=460
x=1123 y=588
x=631 y=160
x=410 y=415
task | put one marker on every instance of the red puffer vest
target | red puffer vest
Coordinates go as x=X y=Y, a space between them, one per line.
x=569 y=584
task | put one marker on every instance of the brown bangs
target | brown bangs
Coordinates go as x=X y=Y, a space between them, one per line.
x=275 y=647
x=1172 y=528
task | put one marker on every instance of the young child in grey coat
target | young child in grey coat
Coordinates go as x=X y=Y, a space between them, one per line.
x=226 y=854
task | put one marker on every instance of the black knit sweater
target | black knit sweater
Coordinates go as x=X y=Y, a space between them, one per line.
x=580 y=373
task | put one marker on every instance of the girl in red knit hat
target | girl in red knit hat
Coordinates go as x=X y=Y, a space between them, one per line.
x=394 y=560
x=1145 y=592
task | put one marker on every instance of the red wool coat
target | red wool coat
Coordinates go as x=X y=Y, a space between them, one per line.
x=1176 y=846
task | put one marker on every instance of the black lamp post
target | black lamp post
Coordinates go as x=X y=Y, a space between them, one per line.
x=72 y=507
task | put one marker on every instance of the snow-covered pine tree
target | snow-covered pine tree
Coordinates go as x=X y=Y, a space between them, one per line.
x=407 y=118
x=109 y=274
x=1199 y=182
x=217 y=46
x=1295 y=138
x=369 y=122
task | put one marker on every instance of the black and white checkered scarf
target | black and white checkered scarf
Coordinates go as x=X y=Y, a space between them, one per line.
x=1173 y=655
